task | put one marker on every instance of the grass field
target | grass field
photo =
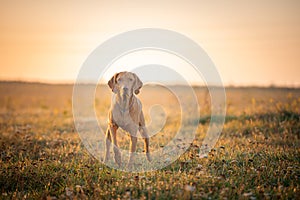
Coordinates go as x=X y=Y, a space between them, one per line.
x=256 y=157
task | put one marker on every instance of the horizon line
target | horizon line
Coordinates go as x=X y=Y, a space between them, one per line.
x=45 y=82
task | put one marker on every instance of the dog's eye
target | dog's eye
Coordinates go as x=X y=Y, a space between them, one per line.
x=119 y=80
x=130 y=79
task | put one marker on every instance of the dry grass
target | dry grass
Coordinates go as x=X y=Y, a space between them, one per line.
x=257 y=156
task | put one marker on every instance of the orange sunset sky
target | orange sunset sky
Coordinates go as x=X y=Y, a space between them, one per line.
x=253 y=42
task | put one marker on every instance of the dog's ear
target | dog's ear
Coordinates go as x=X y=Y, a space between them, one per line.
x=112 y=82
x=137 y=85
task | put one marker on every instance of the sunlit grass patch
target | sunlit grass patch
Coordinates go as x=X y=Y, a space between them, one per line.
x=256 y=157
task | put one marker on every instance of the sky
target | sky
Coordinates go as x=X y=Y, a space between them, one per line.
x=253 y=42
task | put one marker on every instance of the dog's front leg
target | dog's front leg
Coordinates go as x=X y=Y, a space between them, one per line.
x=133 y=142
x=113 y=132
x=107 y=144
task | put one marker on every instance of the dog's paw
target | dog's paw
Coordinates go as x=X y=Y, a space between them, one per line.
x=148 y=157
x=117 y=157
x=129 y=166
x=106 y=159
x=118 y=160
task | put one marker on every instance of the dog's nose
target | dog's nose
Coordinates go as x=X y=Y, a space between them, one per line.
x=125 y=89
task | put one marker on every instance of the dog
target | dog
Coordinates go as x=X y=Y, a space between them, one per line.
x=126 y=113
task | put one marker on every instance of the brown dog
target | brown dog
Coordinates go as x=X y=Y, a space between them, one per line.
x=126 y=113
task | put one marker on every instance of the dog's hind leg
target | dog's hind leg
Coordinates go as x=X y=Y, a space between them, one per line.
x=144 y=134
x=107 y=144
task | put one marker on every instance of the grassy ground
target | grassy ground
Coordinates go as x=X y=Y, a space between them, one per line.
x=256 y=157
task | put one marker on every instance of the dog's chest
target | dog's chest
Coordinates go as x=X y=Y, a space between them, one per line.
x=122 y=119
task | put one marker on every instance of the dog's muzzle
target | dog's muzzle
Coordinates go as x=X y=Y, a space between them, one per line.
x=125 y=92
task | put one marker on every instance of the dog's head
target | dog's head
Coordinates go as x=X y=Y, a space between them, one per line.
x=126 y=83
